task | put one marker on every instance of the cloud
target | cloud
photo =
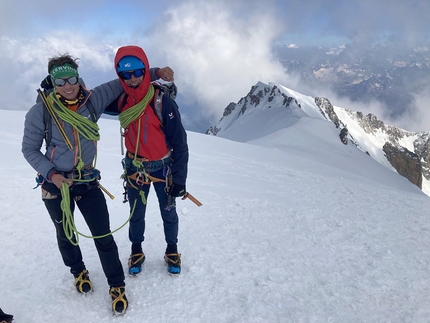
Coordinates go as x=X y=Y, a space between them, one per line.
x=218 y=48
x=336 y=50
x=24 y=64
x=217 y=54
x=417 y=119
x=359 y=21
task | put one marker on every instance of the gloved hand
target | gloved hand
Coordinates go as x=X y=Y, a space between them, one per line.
x=47 y=84
x=176 y=190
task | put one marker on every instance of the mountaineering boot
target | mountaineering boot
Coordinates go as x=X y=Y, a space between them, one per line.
x=135 y=263
x=7 y=318
x=173 y=261
x=119 y=300
x=82 y=282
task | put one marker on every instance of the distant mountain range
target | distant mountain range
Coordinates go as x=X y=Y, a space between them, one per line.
x=390 y=75
x=268 y=108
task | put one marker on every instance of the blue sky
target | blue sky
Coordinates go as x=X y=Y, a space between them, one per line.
x=218 y=48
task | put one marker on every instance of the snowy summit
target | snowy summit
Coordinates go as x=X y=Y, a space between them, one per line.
x=270 y=108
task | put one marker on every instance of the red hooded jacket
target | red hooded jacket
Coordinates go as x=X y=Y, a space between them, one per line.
x=152 y=143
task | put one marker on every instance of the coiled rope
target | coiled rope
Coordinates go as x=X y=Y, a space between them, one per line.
x=87 y=128
x=128 y=116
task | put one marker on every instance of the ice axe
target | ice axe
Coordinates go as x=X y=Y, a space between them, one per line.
x=192 y=198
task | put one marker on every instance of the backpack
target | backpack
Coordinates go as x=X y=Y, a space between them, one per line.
x=160 y=89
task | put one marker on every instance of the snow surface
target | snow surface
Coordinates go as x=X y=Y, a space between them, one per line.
x=294 y=227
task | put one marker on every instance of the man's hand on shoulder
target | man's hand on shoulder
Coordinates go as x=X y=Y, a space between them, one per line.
x=166 y=74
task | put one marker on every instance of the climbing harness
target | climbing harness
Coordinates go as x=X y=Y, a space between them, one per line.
x=142 y=177
x=171 y=201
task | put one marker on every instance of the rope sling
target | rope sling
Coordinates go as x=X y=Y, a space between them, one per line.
x=126 y=118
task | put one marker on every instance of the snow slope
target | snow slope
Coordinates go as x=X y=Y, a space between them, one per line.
x=294 y=228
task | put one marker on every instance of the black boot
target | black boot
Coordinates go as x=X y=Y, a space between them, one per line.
x=82 y=282
x=119 y=300
x=5 y=317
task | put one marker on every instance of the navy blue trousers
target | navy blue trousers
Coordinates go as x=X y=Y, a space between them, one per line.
x=92 y=205
x=137 y=222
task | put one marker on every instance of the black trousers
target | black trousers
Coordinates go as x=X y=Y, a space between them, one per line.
x=92 y=205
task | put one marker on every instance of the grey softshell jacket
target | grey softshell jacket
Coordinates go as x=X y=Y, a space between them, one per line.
x=58 y=156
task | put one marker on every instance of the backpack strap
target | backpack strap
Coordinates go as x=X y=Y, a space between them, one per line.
x=158 y=105
x=47 y=119
x=121 y=101
x=92 y=110
x=51 y=112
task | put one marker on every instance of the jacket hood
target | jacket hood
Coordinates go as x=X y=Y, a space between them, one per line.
x=135 y=95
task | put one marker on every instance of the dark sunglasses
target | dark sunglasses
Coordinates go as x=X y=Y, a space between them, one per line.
x=127 y=75
x=71 y=80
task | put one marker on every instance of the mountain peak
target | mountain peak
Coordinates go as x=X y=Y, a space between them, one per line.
x=269 y=108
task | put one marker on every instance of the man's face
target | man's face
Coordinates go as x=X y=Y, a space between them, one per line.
x=133 y=78
x=67 y=90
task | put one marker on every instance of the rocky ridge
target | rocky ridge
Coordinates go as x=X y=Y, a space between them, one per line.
x=410 y=161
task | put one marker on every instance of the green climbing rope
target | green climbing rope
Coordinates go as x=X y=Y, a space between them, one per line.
x=69 y=224
x=131 y=114
x=85 y=127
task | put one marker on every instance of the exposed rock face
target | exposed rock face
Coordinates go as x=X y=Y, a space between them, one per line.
x=227 y=111
x=213 y=130
x=422 y=148
x=269 y=93
x=370 y=122
x=326 y=108
x=405 y=162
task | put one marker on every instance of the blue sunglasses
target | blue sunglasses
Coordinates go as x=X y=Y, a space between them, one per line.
x=136 y=73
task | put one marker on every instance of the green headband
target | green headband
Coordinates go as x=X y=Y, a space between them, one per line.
x=62 y=71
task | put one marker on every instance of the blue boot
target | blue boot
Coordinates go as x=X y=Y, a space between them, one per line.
x=135 y=263
x=173 y=261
